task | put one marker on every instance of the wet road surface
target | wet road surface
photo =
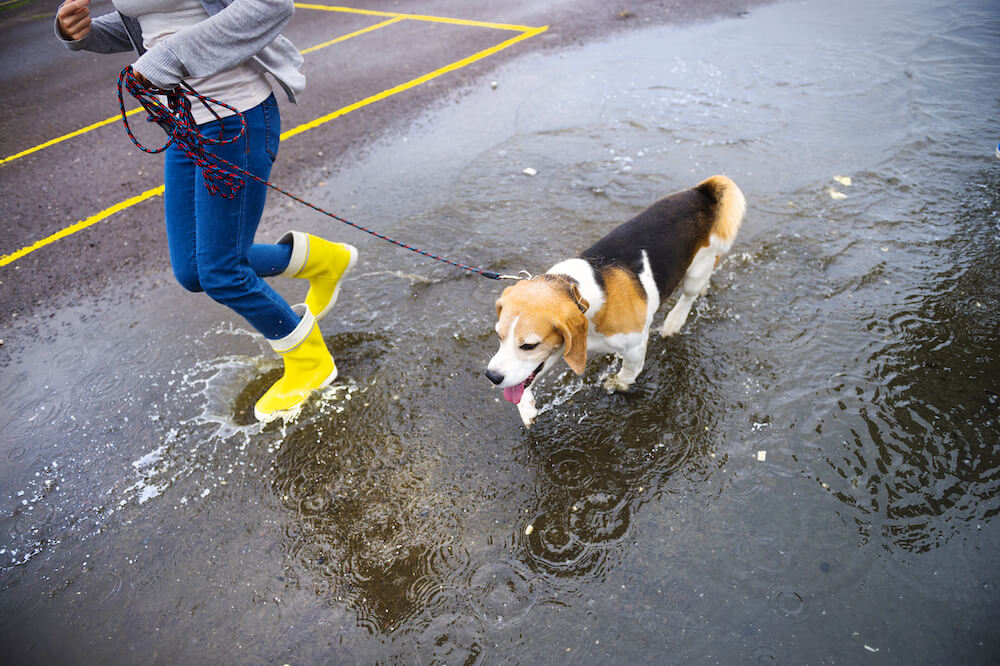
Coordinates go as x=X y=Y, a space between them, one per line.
x=809 y=473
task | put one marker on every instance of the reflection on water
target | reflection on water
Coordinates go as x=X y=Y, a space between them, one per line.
x=816 y=452
x=920 y=425
x=380 y=526
x=605 y=456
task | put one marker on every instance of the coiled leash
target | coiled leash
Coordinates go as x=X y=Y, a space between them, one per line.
x=222 y=177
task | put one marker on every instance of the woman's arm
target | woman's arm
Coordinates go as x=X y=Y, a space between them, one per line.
x=229 y=38
x=78 y=31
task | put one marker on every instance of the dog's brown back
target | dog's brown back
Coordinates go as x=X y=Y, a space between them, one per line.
x=671 y=231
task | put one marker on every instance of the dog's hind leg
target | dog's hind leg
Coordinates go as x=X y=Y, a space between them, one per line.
x=695 y=282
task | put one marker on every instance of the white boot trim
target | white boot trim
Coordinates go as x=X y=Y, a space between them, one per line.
x=300 y=252
x=298 y=336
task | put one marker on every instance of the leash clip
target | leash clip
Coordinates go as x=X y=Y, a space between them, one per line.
x=521 y=275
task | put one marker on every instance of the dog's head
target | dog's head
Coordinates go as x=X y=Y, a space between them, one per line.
x=537 y=320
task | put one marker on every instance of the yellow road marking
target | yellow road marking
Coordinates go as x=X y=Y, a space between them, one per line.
x=353 y=34
x=417 y=17
x=84 y=130
x=458 y=64
x=526 y=33
x=82 y=224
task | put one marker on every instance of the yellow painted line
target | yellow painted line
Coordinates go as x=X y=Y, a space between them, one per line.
x=527 y=33
x=344 y=38
x=64 y=137
x=416 y=17
x=82 y=224
x=458 y=64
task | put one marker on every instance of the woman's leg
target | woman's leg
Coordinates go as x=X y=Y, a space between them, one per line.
x=179 y=183
x=212 y=249
x=180 y=178
x=229 y=264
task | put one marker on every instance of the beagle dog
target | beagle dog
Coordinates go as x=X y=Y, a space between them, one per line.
x=604 y=300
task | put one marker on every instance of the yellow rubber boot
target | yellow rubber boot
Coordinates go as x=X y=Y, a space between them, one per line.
x=308 y=366
x=323 y=263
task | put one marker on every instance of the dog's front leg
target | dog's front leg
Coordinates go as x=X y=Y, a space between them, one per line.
x=526 y=408
x=632 y=362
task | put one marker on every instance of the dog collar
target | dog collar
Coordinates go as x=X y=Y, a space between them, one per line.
x=571 y=285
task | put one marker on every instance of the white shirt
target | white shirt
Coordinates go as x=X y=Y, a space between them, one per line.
x=242 y=87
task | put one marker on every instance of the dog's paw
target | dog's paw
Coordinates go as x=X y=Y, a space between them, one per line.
x=526 y=408
x=671 y=326
x=615 y=384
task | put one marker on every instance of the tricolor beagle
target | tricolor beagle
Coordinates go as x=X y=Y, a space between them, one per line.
x=604 y=300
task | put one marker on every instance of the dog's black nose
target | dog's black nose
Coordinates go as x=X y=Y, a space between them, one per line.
x=494 y=377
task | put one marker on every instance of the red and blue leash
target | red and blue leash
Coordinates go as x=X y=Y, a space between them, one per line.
x=223 y=178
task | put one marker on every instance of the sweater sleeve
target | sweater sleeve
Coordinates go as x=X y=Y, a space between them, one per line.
x=219 y=43
x=107 y=35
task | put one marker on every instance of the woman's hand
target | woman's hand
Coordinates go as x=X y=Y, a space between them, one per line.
x=73 y=19
x=145 y=83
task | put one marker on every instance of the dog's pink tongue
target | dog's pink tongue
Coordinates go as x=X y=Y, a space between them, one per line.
x=513 y=393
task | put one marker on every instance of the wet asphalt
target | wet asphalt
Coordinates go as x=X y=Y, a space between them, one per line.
x=790 y=482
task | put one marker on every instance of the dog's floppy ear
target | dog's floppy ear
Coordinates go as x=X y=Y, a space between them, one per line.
x=573 y=327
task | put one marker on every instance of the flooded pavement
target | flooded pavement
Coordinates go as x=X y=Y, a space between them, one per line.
x=808 y=473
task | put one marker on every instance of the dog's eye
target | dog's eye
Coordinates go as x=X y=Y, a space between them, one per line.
x=528 y=346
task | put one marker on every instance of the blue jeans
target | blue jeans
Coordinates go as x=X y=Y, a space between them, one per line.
x=211 y=237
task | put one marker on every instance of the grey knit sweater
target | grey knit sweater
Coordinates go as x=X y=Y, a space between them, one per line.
x=236 y=31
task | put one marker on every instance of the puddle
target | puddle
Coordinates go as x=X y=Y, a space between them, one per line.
x=808 y=473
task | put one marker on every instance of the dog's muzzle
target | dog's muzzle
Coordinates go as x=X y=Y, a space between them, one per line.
x=494 y=377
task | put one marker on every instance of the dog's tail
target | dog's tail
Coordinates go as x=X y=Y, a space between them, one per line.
x=730 y=206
